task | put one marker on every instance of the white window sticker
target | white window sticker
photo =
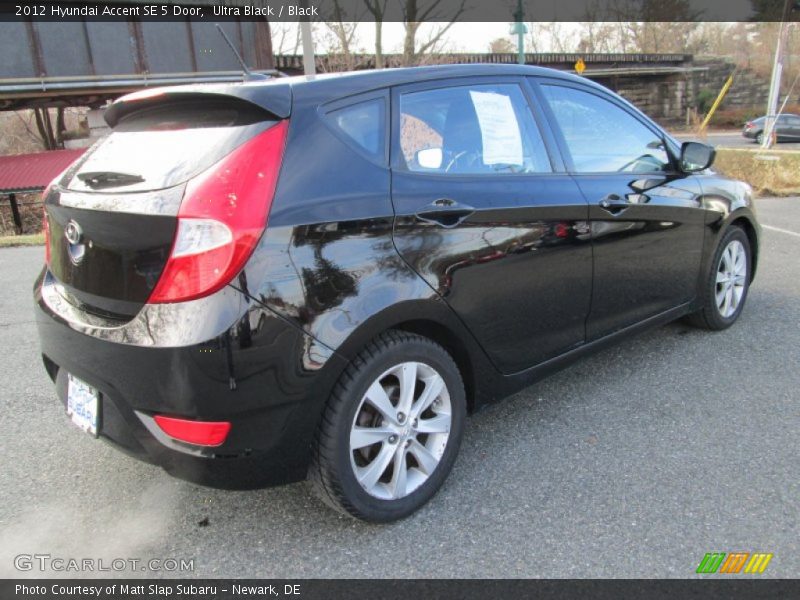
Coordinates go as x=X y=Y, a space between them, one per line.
x=502 y=142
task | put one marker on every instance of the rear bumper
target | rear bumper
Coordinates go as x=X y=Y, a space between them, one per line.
x=750 y=133
x=263 y=375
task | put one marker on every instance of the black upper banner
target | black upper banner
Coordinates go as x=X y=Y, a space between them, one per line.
x=406 y=10
x=469 y=589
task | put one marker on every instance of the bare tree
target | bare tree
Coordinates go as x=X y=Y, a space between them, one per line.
x=551 y=37
x=51 y=135
x=377 y=8
x=652 y=26
x=501 y=46
x=598 y=36
x=285 y=38
x=417 y=12
x=344 y=33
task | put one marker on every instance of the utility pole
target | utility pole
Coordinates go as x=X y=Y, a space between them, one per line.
x=309 y=64
x=775 y=82
x=309 y=68
x=518 y=28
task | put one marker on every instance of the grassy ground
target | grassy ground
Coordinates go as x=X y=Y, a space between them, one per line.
x=771 y=173
x=34 y=239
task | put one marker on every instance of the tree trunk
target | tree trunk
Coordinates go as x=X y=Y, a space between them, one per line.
x=45 y=127
x=410 y=41
x=378 y=43
x=40 y=127
x=409 y=44
x=60 y=127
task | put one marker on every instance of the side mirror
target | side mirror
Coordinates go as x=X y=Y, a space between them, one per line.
x=430 y=158
x=696 y=157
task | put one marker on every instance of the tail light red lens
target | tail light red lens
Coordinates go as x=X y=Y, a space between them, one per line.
x=222 y=216
x=199 y=433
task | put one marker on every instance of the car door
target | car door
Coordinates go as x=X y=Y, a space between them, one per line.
x=782 y=129
x=646 y=218
x=792 y=128
x=487 y=216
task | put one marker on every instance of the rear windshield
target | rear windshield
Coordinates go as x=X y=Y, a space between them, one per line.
x=166 y=145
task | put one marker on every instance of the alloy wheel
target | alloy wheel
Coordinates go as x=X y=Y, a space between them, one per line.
x=400 y=430
x=731 y=278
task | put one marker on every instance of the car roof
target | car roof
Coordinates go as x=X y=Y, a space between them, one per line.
x=279 y=93
x=363 y=81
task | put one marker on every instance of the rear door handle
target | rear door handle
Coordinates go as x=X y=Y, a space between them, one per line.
x=445 y=212
x=614 y=204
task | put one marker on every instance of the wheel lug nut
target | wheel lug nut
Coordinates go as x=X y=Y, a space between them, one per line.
x=392 y=439
x=408 y=443
x=415 y=423
x=401 y=417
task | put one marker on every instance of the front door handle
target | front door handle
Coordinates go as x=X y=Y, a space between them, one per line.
x=445 y=212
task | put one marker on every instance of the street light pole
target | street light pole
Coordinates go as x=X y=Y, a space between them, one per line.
x=519 y=28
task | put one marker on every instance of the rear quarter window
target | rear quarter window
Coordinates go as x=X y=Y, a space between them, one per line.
x=363 y=126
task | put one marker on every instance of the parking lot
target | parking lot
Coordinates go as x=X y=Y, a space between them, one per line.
x=632 y=463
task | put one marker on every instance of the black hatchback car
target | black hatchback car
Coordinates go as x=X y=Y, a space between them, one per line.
x=256 y=283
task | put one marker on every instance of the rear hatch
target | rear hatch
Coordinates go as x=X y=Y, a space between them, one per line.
x=113 y=215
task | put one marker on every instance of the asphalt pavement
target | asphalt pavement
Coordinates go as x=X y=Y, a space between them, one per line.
x=632 y=463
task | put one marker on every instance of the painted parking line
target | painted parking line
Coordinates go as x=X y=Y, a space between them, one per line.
x=779 y=230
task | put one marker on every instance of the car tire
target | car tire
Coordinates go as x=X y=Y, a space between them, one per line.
x=727 y=283
x=760 y=138
x=343 y=472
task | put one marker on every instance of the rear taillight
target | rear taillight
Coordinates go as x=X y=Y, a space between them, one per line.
x=221 y=218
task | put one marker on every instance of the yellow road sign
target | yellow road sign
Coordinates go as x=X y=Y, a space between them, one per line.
x=580 y=66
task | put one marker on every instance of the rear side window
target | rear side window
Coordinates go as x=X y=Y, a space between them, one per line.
x=165 y=145
x=602 y=137
x=363 y=124
x=471 y=130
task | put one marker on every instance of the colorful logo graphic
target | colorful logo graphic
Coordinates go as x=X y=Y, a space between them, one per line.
x=732 y=563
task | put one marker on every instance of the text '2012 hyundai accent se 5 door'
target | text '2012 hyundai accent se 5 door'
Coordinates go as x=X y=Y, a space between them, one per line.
x=256 y=283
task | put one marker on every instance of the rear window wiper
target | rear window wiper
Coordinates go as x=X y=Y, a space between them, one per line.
x=108 y=179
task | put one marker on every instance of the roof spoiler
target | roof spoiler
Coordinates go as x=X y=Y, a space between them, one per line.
x=274 y=96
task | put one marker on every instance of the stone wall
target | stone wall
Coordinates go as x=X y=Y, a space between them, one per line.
x=748 y=89
x=666 y=97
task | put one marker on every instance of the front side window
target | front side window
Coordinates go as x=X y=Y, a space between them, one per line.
x=480 y=129
x=602 y=137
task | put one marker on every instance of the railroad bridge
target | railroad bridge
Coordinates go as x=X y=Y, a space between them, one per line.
x=86 y=63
